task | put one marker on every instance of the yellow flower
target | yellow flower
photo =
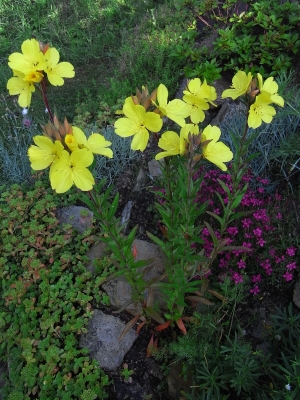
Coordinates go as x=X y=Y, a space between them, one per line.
x=96 y=143
x=172 y=143
x=18 y=85
x=261 y=111
x=175 y=109
x=30 y=60
x=72 y=169
x=270 y=87
x=138 y=122
x=57 y=71
x=189 y=128
x=198 y=96
x=240 y=84
x=214 y=151
x=44 y=153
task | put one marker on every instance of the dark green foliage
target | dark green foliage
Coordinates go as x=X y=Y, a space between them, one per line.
x=254 y=36
x=225 y=367
x=45 y=301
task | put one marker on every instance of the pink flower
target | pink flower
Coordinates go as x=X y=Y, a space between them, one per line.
x=237 y=278
x=255 y=290
x=257 y=232
x=279 y=216
x=261 y=242
x=291 y=251
x=256 y=278
x=291 y=266
x=241 y=264
x=288 y=276
x=233 y=231
x=246 y=223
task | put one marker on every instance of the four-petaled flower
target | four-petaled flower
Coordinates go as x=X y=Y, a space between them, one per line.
x=30 y=67
x=270 y=88
x=137 y=122
x=260 y=111
x=240 y=85
x=199 y=95
x=72 y=169
x=96 y=143
x=57 y=71
x=214 y=151
x=177 y=110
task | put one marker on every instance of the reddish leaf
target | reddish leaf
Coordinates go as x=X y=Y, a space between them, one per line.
x=128 y=326
x=181 y=326
x=134 y=251
x=150 y=347
x=140 y=326
x=162 y=327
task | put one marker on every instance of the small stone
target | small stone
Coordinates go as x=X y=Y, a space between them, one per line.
x=81 y=218
x=154 y=168
x=102 y=340
x=296 y=295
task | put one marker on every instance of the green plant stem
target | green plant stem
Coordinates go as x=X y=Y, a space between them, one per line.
x=45 y=99
x=110 y=227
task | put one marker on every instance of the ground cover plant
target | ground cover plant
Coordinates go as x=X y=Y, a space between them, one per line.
x=46 y=296
x=239 y=27
x=222 y=242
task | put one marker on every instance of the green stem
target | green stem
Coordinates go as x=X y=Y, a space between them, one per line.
x=45 y=99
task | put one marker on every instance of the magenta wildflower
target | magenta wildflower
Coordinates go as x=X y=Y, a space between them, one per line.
x=237 y=278
x=288 y=276
x=255 y=290
x=291 y=251
x=241 y=264
x=291 y=266
x=233 y=231
x=261 y=242
x=256 y=278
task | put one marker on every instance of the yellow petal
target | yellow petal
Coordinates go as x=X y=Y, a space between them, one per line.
x=83 y=178
x=98 y=145
x=162 y=95
x=43 y=154
x=170 y=141
x=79 y=136
x=126 y=127
x=217 y=153
x=211 y=133
x=153 y=122
x=140 y=140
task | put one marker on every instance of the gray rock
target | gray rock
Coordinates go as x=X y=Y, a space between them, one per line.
x=120 y=291
x=97 y=250
x=228 y=109
x=154 y=168
x=125 y=216
x=141 y=180
x=102 y=340
x=81 y=218
x=296 y=294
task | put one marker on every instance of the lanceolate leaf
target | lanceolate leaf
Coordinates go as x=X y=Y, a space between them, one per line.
x=128 y=326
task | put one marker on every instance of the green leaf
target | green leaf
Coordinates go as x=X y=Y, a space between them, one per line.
x=113 y=207
x=156 y=240
x=215 y=216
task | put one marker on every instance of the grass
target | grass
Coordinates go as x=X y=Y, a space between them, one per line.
x=114 y=45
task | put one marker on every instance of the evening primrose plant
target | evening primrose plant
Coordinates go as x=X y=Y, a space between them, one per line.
x=34 y=67
x=69 y=154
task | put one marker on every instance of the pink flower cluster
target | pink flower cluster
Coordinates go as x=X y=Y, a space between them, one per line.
x=260 y=232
